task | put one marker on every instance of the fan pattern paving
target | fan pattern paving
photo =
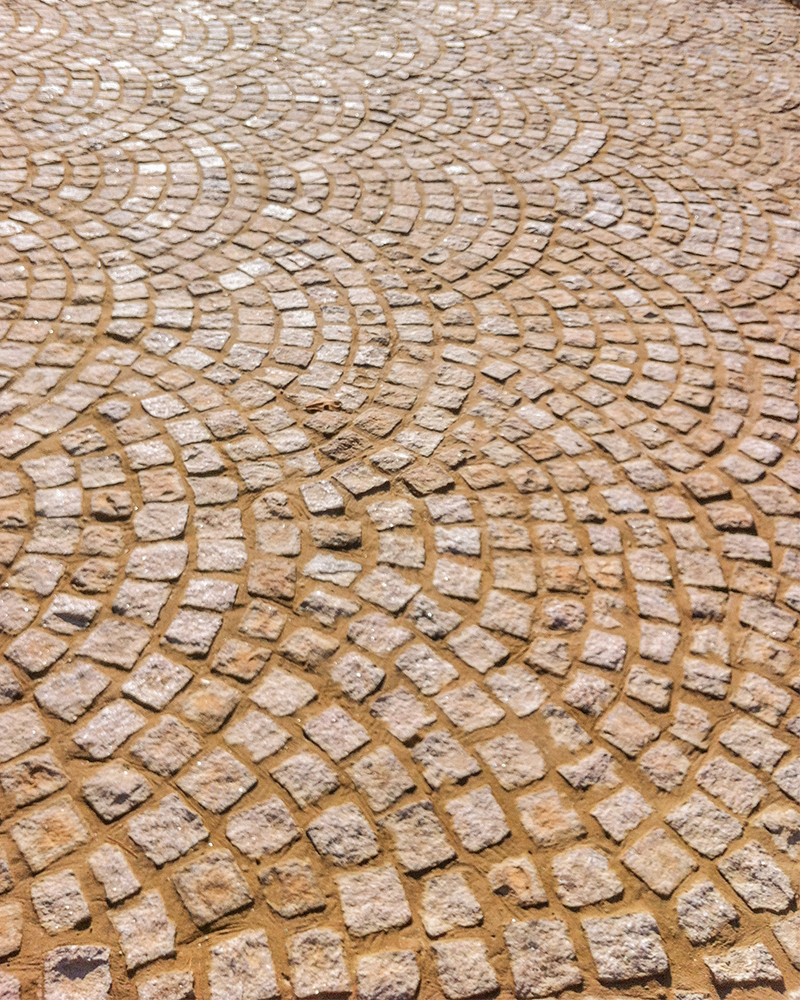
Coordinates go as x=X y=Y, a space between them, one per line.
x=399 y=516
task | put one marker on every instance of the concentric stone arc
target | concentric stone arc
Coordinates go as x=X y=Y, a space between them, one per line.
x=399 y=515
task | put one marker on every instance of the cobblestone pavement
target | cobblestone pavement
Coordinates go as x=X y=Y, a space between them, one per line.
x=399 y=499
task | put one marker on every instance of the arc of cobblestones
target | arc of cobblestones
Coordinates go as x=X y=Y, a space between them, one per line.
x=398 y=499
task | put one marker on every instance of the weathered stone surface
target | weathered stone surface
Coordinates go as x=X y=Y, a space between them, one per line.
x=761 y=883
x=703 y=912
x=48 y=833
x=752 y=966
x=373 y=900
x=659 y=862
x=464 y=970
x=626 y=947
x=242 y=966
x=145 y=932
x=263 y=829
x=543 y=960
x=389 y=975
x=212 y=887
x=168 y=832
x=77 y=972
x=398 y=461
x=316 y=964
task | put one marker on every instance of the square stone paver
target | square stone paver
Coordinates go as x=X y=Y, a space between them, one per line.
x=145 y=931
x=659 y=861
x=217 y=781
x=77 y=972
x=703 y=912
x=242 y=966
x=373 y=900
x=381 y=778
x=583 y=877
x=167 y=747
x=624 y=947
x=343 y=834
x=114 y=790
x=306 y=778
x=420 y=840
x=478 y=819
x=543 y=960
x=49 y=833
x=389 y=973
x=212 y=887
x=316 y=964
x=464 y=969
x=265 y=828
x=291 y=888
x=167 y=832
x=447 y=903
x=59 y=903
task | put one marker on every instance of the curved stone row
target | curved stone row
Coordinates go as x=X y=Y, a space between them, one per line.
x=398 y=500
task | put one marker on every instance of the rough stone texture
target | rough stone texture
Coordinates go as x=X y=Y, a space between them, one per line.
x=703 y=912
x=752 y=966
x=212 y=887
x=77 y=972
x=59 y=902
x=464 y=970
x=372 y=901
x=242 y=966
x=145 y=931
x=761 y=883
x=48 y=833
x=389 y=975
x=447 y=903
x=263 y=829
x=583 y=877
x=626 y=946
x=316 y=964
x=399 y=474
x=167 y=832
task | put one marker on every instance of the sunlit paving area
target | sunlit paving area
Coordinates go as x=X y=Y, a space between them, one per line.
x=399 y=500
